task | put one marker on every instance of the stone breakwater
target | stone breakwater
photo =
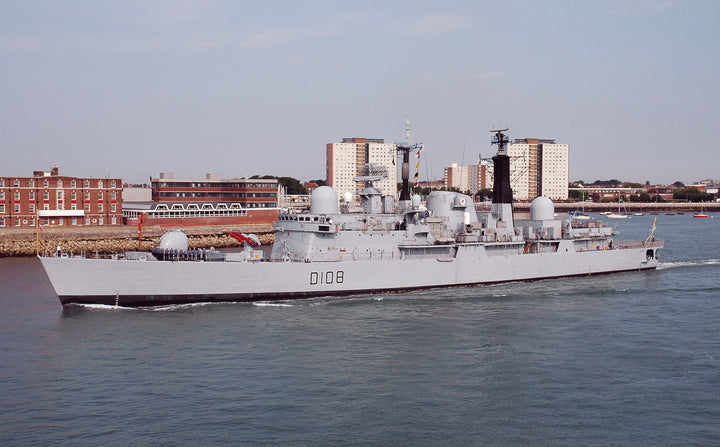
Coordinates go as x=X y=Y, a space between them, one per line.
x=116 y=240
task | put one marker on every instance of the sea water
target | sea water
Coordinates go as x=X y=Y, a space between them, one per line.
x=622 y=359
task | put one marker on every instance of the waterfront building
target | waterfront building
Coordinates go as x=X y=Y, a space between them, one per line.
x=356 y=157
x=60 y=200
x=208 y=201
x=539 y=167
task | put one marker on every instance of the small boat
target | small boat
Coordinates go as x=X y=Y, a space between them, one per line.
x=619 y=214
x=700 y=214
x=638 y=214
x=605 y=213
x=669 y=214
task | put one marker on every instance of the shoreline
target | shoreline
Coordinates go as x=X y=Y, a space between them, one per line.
x=119 y=238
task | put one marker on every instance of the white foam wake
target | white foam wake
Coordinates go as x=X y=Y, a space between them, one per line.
x=269 y=304
x=693 y=263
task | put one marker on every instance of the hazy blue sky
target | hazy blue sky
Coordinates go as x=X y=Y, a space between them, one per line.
x=133 y=88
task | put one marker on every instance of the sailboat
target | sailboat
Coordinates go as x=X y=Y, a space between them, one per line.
x=618 y=215
x=580 y=215
x=700 y=214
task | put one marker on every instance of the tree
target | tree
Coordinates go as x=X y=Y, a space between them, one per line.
x=679 y=184
x=291 y=185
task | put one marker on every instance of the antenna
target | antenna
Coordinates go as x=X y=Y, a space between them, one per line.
x=407 y=129
x=500 y=139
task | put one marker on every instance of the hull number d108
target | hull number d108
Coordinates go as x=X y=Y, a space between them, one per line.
x=327 y=277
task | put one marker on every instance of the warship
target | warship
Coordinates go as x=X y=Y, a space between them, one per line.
x=388 y=247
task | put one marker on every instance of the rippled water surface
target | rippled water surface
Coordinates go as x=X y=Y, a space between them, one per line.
x=625 y=359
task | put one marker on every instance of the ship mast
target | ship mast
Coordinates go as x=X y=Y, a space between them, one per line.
x=405 y=148
x=502 y=192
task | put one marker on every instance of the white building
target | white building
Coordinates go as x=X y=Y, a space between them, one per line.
x=470 y=178
x=353 y=157
x=539 y=168
x=459 y=177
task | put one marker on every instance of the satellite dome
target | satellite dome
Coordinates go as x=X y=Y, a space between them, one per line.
x=542 y=208
x=174 y=240
x=324 y=200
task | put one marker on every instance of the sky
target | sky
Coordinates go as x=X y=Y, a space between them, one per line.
x=132 y=88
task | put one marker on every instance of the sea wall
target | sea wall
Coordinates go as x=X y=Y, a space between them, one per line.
x=114 y=240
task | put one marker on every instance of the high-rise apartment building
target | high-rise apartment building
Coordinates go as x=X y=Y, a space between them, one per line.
x=355 y=157
x=464 y=178
x=539 y=168
x=470 y=178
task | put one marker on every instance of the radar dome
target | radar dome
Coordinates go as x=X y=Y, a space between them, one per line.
x=324 y=200
x=347 y=196
x=542 y=208
x=174 y=240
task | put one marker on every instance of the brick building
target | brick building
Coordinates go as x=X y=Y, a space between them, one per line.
x=208 y=201
x=59 y=200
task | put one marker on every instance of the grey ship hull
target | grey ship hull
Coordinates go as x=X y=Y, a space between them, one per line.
x=151 y=283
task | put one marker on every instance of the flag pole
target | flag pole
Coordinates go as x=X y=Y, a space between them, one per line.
x=37 y=232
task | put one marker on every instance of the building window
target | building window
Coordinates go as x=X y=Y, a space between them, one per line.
x=17 y=208
x=45 y=183
x=113 y=195
x=59 y=183
x=73 y=206
x=100 y=183
x=87 y=207
x=32 y=195
x=2 y=221
x=87 y=196
x=32 y=183
x=100 y=207
x=2 y=195
x=100 y=220
x=100 y=195
x=32 y=208
x=17 y=183
x=113 y=207
x=17 y=195
x=2 y=182
x=73 y=195
x=87 y=183
x=74 y=221
x=73 y=184
x=114 y=220
x=2 y=208
x=112 y=184
x=46 y=195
